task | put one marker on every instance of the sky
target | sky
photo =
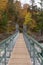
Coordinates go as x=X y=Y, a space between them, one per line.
x=28 y=1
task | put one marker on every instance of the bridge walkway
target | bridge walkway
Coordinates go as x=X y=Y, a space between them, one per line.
x=20 y=54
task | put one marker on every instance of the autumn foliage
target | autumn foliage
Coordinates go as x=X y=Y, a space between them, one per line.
x=12 y=13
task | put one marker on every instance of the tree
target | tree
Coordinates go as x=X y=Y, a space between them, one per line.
x=41 y=4
x=17 y=6
x=40 y=18
x=40 y=22
x=29 y=21
x=3 y=15
x=3 y=22
x=3 y=4
x=32 y=5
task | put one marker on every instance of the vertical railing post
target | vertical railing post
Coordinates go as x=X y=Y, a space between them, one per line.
x=33 y=46
x=17 y=27
x=0 y=56
x=42 y=56
x=30 y=47
x=42 y=62
x=5 y=54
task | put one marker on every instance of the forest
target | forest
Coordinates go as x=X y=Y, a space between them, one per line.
x=12 y=13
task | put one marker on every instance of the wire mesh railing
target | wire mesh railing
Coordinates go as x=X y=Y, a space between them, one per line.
x=35 y=48
x=6 y=47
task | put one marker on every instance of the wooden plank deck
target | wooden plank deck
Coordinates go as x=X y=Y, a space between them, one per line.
x=20 y=55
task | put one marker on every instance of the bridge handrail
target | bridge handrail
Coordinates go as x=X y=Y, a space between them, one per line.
x=36 y=42
x=3 y=42
x=3 y=45
x=33 y=43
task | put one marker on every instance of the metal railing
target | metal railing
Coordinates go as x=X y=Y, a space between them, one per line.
x=6 y=47
x=35 y=48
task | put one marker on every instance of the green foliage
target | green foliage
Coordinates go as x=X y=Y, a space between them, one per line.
x=3 y=22
x=29 y=21
x=4 y=19
x=40 y=20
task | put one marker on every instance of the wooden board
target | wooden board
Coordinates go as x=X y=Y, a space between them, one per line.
x=20 y=54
